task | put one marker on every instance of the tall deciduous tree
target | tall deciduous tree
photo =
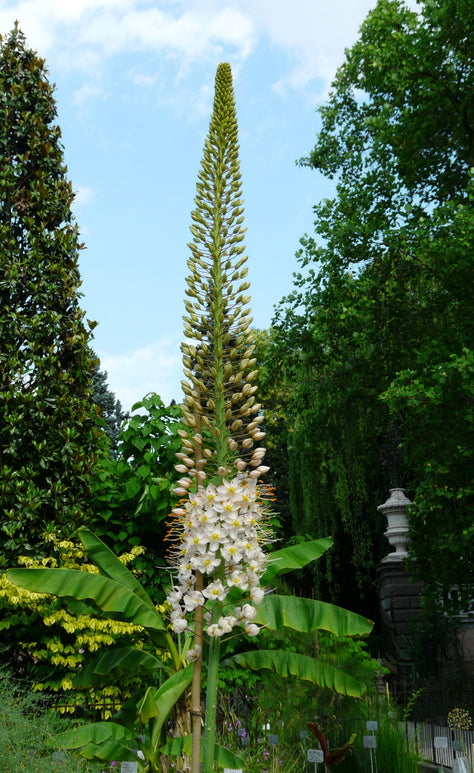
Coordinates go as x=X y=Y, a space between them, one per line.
x=380 y=322
x=48 y=430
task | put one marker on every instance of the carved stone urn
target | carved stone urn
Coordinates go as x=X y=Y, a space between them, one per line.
x=395 y=510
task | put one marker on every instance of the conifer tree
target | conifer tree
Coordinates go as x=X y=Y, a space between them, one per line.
x=110 y=408
x=48 y=431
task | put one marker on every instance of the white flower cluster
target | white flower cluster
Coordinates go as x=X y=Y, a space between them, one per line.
x=221 y=534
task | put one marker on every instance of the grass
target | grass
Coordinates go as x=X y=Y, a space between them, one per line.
x=28 y=734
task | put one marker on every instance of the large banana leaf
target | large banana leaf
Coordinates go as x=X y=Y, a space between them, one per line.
x=167 y=696
x=112 y=598
x=110 y=565
x=176 y=747
x=120 y=662
x=294 y=557
x=100 y=740
x=148 y=707
x=292 y=664
x=109 y=751
x=306 y=615
x=113 y=741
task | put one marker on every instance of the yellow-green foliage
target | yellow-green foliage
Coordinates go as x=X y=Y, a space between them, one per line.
x=53 y=644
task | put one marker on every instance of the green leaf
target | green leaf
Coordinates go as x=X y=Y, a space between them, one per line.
x=124 y=661
x=295 y=557
x=109 y=750
x=306 y=615
x=94 y=733
x=148 y=707
x=292 y=664
x=132 y=487
x=167 y=695
x=112 y=598
x=176 y=747
x=110 y=565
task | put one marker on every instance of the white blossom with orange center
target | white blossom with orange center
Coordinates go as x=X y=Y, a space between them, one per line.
x=221 y=535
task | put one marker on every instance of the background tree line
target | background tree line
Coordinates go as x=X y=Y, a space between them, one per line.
x=374 y=343
x=366 y=373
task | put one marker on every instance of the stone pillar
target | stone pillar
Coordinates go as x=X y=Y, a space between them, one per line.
x=399 y=596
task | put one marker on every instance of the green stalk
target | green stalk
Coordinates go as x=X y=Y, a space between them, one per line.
x=217 y=358
x=211 y=705
x=196 y=686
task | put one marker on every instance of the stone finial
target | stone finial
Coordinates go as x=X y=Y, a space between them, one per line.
x=395 y=510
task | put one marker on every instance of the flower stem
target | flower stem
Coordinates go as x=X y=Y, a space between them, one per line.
x=196 y=684
x=211 y=704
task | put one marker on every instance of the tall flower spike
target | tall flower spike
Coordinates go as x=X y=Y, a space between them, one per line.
x=219 y=405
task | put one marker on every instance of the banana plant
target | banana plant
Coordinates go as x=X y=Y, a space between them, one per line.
x=142 y=722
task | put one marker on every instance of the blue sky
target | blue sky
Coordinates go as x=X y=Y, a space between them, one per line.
x=134 y=87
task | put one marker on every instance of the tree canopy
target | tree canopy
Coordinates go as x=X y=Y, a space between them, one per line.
x=376 y=337
x=48 y=430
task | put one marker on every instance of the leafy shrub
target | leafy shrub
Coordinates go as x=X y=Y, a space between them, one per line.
x=51 y=645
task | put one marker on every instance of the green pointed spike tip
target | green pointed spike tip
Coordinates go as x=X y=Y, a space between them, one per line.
x=219 y=367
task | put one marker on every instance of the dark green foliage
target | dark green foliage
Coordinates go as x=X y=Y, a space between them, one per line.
x=376 y=338
x=133 y=492
x=110 y=408
x=273 y=394
x=48 y=428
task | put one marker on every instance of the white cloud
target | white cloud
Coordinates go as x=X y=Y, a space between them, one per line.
x=83 y=195
x=80 y=34
x=153 y=368
x=188 y=32
x=87 y=92
x=314 y=33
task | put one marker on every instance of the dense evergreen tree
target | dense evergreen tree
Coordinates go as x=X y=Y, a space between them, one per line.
x=48 y=420
x=376 y=339
x=110 y=408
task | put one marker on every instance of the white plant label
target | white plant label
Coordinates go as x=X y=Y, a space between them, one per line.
x=440 y=742
x=232 y=770
x=372 y=725
x=129 y=767
x=315 y=755
x=369 y=741
x=273 y=740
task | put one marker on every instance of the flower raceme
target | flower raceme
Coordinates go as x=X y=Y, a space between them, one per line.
x=219 y=532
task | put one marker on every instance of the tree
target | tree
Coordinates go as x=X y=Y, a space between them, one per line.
x=132 y=493
x=380 y=323
x=48 y=429
x=110 y=407
x=221 y=523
